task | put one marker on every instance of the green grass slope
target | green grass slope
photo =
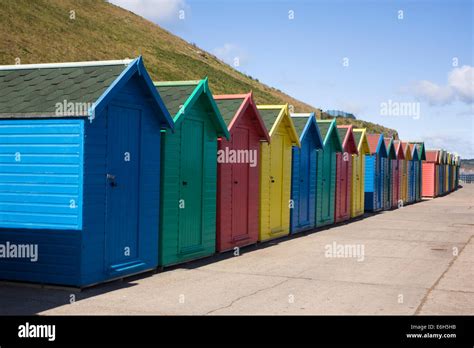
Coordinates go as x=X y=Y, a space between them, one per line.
x=41 y=31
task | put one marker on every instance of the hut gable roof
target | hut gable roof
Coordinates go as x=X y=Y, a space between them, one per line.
x=34 y=90
x=414 y=152
x=432 y=156
x=347 y=137
x=420 y=147
x=390 y=148
x=180 y=96
x=406 y=151
x=377 y=144
x=397 y=144
x=274 y=115
x=234 y=106
x=360 y=137
x=305 y=125
x=329 y=133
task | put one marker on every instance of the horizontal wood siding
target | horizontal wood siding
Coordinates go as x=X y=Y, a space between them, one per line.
x=370 y=196
x=59 y=254
x=41 y=174
x=41 y=203
x=429 y=177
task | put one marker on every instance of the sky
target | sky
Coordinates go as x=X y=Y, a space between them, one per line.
x=407 y=65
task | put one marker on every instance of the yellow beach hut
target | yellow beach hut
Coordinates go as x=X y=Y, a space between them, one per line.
x=275 y=171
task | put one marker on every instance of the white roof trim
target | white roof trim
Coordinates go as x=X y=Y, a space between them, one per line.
x=66 y=65
x=301 y=114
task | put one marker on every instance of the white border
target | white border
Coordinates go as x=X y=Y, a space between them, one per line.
x=66 y=65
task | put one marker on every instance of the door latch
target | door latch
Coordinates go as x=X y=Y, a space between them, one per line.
x=111 y=180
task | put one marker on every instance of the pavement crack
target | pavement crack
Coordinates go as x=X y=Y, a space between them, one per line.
x=425 y=298
x=247 y=295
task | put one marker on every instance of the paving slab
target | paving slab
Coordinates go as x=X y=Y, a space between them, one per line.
x=414 y=260
x=301 y=296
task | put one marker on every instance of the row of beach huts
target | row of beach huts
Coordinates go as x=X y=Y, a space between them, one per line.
x=105 y=173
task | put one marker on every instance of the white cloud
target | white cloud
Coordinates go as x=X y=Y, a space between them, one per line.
x=460 y=143
x=460 y=86
x=232 y=54
x=432 y=93
x=462 y=82
x=159 y=11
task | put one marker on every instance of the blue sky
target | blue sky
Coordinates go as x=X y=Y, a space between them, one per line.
x=356 y=56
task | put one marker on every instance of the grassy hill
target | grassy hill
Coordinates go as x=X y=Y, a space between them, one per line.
x=41 y=31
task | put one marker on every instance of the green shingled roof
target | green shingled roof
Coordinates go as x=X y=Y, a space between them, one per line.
x=36 y=91
x=174 y=95
x=324 y=128
x=420 y=146
x=228 y=108
x=342 y=134
x=269 y=116
x=357 y=137
x=300 y=123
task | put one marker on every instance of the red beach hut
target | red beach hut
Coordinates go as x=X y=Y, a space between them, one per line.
x=430 y=174
x=342 y=209
x=238 y=184
x=396 y=170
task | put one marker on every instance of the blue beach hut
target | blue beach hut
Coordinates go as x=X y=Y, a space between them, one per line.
x=80 y=168
x=303 y=169
x=374 y=173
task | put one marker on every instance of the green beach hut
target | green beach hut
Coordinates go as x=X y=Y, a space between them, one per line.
x=388 y=183
x=189 y=172
x=326 y=172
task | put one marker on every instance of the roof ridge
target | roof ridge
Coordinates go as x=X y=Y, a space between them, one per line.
x=230 y=96
x=271 y=106
x=66 y=64
x=177 y=83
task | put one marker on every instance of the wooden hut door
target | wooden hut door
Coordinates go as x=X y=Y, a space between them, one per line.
x=240 y=187
x=326 y=184
x=191 y=185
x=409 y=180
x=304 y=187
x=379 y=181
x=344 y=184
x=395 y=182
x=276 y=182
x=122 y=190
x=358 y=186
x=386 y=183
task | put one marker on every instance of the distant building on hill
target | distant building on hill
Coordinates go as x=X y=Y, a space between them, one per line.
x=339 y=113
x=322 y=115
